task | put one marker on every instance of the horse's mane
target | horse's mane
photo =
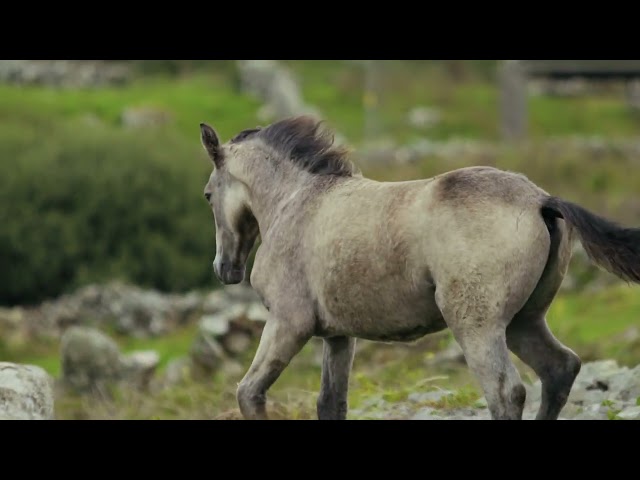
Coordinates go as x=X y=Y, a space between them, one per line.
x=305 y=142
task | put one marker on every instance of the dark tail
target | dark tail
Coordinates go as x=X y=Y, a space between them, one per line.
x=609 y=245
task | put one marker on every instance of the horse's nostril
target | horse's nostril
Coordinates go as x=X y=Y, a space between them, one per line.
x=207 y=196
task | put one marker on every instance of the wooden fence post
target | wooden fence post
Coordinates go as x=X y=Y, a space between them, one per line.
x=513 y=100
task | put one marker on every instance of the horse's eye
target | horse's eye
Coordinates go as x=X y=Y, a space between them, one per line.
x=207 y=196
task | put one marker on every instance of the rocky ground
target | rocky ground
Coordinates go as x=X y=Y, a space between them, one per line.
x=603 y=391
x=226 y=325
x=63 y=73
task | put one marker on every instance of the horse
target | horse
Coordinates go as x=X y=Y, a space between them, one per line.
x=478 y=250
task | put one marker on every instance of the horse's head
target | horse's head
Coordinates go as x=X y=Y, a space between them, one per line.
x=236 y=226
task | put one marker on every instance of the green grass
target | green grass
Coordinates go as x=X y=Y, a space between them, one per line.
x=469 y=106
x=188 y=100
x=589 y=318
x=593 y=324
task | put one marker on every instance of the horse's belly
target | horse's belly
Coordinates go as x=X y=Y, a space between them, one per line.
x=386 y=313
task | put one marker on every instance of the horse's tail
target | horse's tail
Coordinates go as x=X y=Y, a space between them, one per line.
x=611 y=246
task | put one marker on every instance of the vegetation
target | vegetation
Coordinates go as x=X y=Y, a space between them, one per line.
x=85 y=199
x=465 y=95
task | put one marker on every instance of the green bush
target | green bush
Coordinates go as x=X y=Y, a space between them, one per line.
x=83 y=204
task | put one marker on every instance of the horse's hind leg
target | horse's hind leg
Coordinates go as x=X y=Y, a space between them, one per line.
x=486 y=353
x=480 y=331
x=557 y=366
x=528 y=335
x=279 y=343
x=337 y=360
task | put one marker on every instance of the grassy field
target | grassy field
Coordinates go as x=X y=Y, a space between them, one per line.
x=468 y=104
x=596 y=326
x=187 y=100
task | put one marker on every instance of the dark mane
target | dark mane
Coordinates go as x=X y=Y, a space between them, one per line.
x=303 y=140
x=244 y=134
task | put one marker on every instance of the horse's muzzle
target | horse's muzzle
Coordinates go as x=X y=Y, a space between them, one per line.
x=228 y=273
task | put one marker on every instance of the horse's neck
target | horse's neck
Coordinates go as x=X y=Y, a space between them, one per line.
x=272 y=194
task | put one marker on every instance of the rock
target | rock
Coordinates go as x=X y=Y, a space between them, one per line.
x=274 y=85
x=570 y=411
x=257 y=313
x=601 y=389
x=217 y=325
x=591 y=412
x=64 y=73
x=26 y=393
x=434 y=396
x=625 y=385
x=140 y=367
x=580 y=396
x=595 y=375
x=13 y=329
x=427 y=413
x=231 y=328
x=140 y=117
x=142 y=313
x=423 y=117
x=183 y=369
x=233 y=368
x=630 y=413
x=131 y=310
x=633 y=94
x=215 y=302
x=468 y=414
x=128 y=309
x=178 y=371
x=187 y=306
x=206 y=353
x=534 y=394
x=236 y=342
x=91 y=362
x=90 y=359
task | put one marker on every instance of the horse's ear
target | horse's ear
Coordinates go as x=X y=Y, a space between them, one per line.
x=211 y=144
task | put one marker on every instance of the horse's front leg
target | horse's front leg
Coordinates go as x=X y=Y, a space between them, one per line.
x=282 y=338
x=337 y=360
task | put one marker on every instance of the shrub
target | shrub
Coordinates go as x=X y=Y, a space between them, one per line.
x=83 y=204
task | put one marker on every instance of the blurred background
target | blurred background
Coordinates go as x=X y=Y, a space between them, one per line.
x=106 y=242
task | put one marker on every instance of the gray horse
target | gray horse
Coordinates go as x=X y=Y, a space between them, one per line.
x=477 y=250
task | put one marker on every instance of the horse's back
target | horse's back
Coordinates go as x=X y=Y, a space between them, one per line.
x=468 y=186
